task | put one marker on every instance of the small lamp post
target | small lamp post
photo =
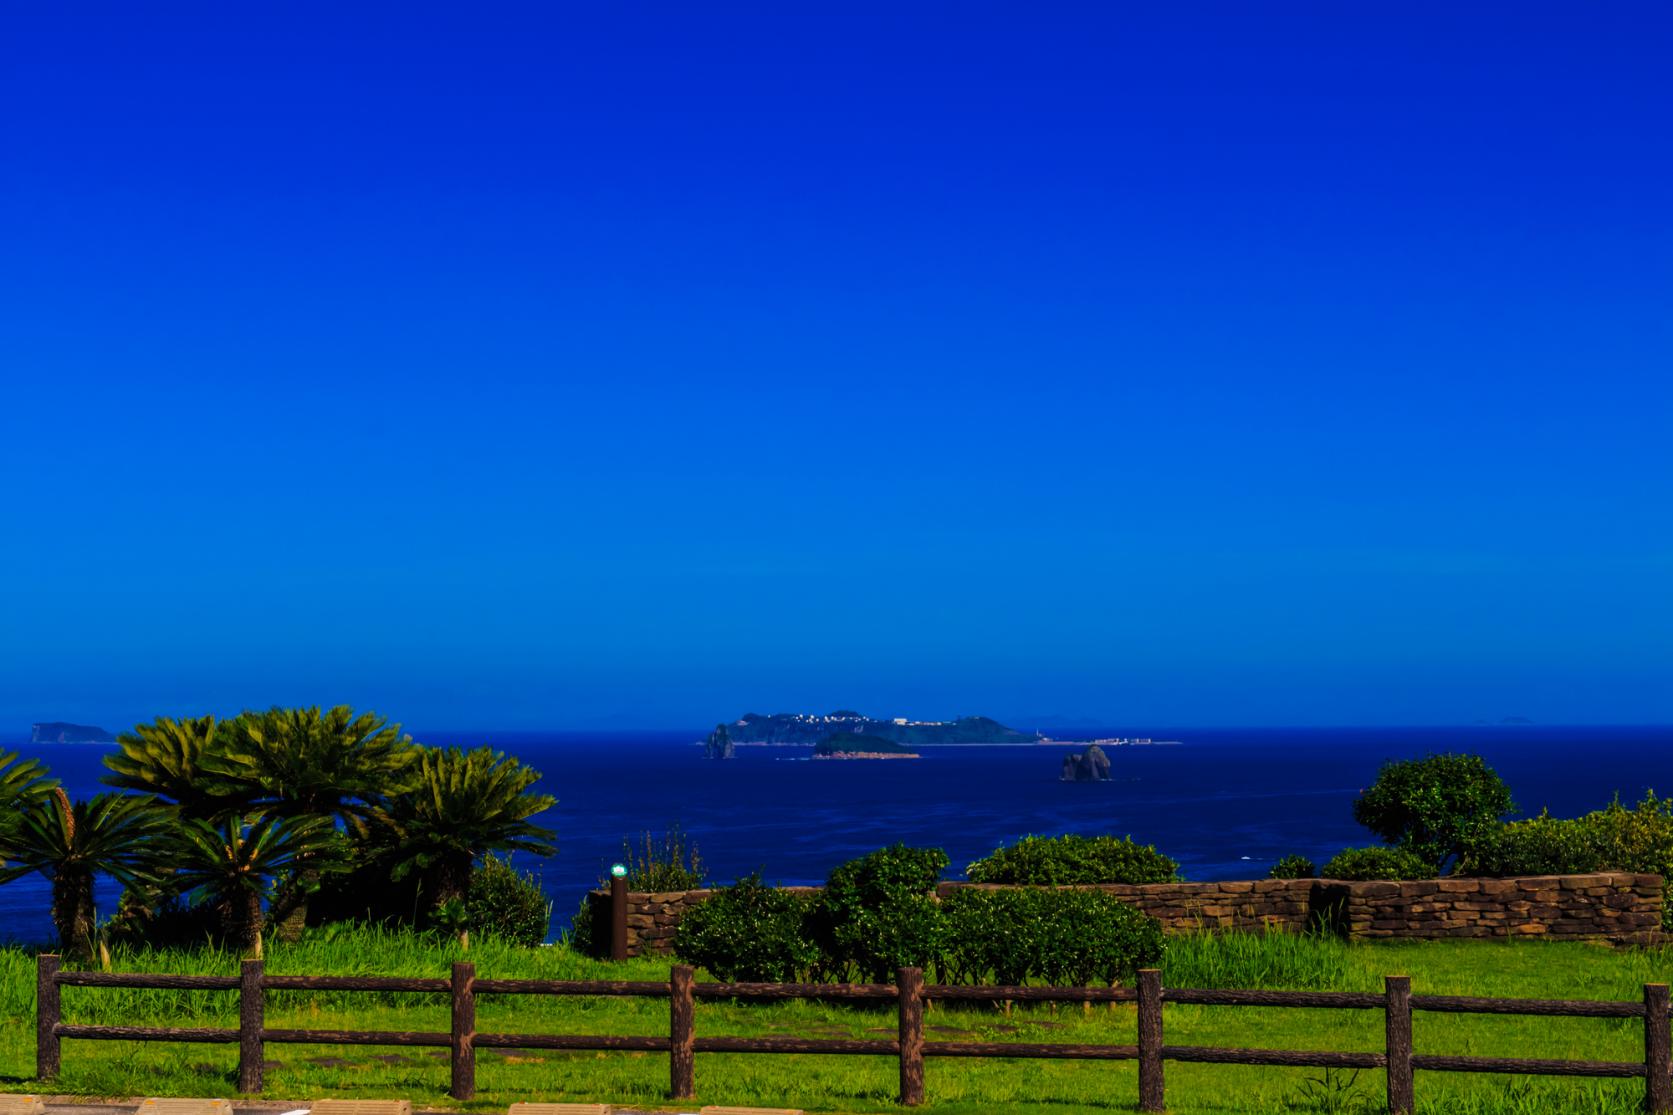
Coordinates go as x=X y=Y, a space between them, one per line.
x=618 y=911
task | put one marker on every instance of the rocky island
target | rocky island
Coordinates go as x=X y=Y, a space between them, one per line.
x=56 y=731
x=1091 y=765
x=794 y=729
x=850 y=745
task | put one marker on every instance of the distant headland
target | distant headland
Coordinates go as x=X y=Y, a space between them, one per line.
x=56 y=731
x=796 y=729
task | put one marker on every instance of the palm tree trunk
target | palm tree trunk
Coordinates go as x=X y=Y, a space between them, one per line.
x=290 y=906
x=72 y=911
x=452 y=878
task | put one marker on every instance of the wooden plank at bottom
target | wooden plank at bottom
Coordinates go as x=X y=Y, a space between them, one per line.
x=11 y=1104
x=559 y=1109
x=173 y=1106
x=714 y=1110
x=361 y=1107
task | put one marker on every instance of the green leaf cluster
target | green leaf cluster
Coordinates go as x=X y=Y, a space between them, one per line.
x=1074 y=860
x=1362 y=864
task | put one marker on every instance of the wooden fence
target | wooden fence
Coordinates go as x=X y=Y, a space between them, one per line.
x=909 y=993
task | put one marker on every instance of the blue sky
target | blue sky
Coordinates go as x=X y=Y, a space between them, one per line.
x=544 y=365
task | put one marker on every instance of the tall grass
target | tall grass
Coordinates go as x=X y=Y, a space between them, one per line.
x=1271 y=961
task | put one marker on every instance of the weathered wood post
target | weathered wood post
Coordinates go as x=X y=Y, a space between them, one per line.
x=1152 y=1088
x=462 y=1044
x=1658 y=1051
x=46 y=1016
x=909 y=985
x=1397 y=1005
x=250 y=1021
x=682 y=1035
x=618 y=918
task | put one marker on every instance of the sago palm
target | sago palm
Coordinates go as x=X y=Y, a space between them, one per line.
x=230 y=863
x=71 y=843
x=466 y=804
x=21 y=785
x=177 y=761
x=296 y=763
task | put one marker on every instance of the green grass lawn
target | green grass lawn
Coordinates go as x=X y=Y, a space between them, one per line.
x=862 y=1084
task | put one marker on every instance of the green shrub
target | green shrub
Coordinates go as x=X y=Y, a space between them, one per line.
x=1434 y=807
x=1066 y=860
x=877 y=913
x=662 y=862
x=589 y=928
x=1293 y=867
x=749 y=932
x=506 y=903
x=1616 y=838
x=1376 y=863
x=1069 y=937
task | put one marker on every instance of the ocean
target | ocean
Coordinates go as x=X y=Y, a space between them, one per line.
x=1225 y=803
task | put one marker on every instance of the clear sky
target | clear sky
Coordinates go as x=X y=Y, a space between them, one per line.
x=569 y=364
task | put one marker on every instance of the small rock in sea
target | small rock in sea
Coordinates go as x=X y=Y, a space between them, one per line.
x=1092 y=765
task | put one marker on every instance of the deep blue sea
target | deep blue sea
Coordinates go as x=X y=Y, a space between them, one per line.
x=1226 y=803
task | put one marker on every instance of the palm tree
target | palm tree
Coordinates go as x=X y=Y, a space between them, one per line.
x=70 y=844
x=296 y=763
x=230 y=863
x=175 y=760
x=467 y=803
x=21 y=785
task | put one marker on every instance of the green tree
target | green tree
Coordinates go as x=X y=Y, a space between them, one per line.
x=110 y=835
x=231 y=863
x=1435 y=806
x=178 y=761
x=466 y=804
x=302 y=762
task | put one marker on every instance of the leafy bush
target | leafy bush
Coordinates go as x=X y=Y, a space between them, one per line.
x=750 y=932
x=1066 y=860
x=1360 y=864
x=1434 y=807
x=877 y=913
x=1072 y=938
x=1616 y=838
x=1542 y=845
x=506 y=903
x=1293 y=867
x=664 y=862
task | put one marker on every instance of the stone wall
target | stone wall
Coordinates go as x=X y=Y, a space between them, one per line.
x=1618 y=907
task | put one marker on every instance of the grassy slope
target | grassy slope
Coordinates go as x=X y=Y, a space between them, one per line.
x=865 y=1084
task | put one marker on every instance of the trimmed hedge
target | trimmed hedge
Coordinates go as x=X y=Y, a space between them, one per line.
x=1364 y=864
x=1293 y=867
x=1071 y=860
x=1072 y=938
x=878 y=913
x=749 y=932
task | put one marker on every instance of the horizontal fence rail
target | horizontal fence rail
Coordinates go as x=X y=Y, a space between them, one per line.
x=909 y=993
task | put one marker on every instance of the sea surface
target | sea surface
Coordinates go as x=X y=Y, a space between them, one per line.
x=1226 y=803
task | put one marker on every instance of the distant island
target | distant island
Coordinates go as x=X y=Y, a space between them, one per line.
x=795 y=729
x=56 y=731
x=851 y=745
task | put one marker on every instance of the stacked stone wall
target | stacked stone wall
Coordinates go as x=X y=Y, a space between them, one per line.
x=1617 y=907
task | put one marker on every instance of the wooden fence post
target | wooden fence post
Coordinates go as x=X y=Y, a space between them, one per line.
x=463 y=1041
x=1397 y=1005
x=250 y=1021
x=909 y=985
x=1152 y=1086
x=46 y=1016
x=1658 y=1051
x=618 y=918
x=682 y=1035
